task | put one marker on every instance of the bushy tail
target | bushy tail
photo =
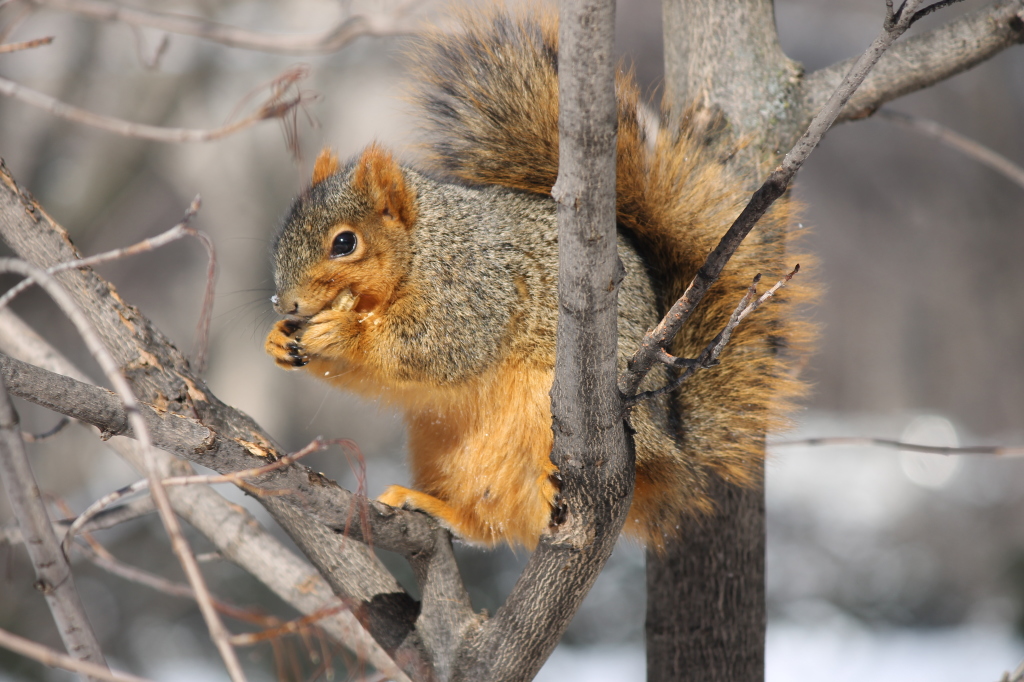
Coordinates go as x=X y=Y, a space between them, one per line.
x=488 y=95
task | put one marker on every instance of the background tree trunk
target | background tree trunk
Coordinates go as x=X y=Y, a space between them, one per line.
x=706 y=594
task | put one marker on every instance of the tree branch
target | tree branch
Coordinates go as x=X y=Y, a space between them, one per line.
x=593 y=454
x=130 y=404
x=276 y=106
x=655 y=341
x=344 y=31
x=238 y=536
x=161 y=375
x=47 y=656
x=53 y=573
x=997 y=450
x=393 y=529
x=951 y=138
x=922 y=60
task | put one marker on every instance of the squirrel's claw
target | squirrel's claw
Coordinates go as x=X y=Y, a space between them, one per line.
x=284 y=347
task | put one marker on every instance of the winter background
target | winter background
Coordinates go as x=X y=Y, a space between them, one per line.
x=882 y=565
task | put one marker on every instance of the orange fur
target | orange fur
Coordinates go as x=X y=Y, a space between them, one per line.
x=480 y=450
x=380 y=177
x=326 y=165
x=480 y=447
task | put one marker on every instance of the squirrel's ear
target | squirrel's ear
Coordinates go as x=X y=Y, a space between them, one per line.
x=326 y=165
x=382 y=180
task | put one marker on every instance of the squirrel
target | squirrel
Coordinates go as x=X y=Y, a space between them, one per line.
x=435 y=291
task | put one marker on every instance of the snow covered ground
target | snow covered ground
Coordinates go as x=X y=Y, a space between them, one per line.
x=798 y=653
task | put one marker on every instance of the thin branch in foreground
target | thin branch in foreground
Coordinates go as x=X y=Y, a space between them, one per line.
x=274 y=107
x=345 y=29
x=1016 y=676
x=296 y=626
x=54 y=659
x=924 y=59
x=772 y=188
x=26 y=45
x=101 y=557
x=236 y=477
x=238 y=537
x=218 y=633
x=52 y=569
x=998 y=450
x=709 y=356
x=922 y=13
x=50 y=433
x=951 y=138
x=180 y=230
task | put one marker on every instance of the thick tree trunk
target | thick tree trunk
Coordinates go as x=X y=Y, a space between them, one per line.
x=705 y=608
x=706 y=595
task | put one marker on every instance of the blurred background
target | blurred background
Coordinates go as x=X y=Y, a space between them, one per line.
x=881 y=565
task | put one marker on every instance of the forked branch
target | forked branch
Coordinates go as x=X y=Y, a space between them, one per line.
x=655 y=341
x=922 y=60
x=709 y=356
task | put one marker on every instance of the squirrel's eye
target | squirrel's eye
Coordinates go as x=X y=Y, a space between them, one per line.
x=344 y=244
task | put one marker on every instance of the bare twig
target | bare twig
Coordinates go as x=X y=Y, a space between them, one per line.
x=997 y=450
x=150 y=63
x=236 y=477
x=26 y=45
x=50 y=433
x=239 y=537
x=709 y=356
x=299 y=625
x=180 y=230
x=921 y=13
x=113 y=517
x=777 y=183
x=228 y=440
x=345 y=30
x=98 y=555
x=53 y=573
x=923 y=60
x=971 y=148
x=276 y=106
x=218 y=633
x=48 y=656
x=107 y=519
x=397 y=530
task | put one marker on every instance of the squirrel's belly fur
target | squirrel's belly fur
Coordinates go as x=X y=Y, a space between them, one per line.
x=440 y=297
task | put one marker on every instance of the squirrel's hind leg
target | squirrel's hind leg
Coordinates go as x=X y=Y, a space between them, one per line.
x=454 y=520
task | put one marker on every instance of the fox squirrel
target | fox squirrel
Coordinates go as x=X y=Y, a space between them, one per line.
x=439 y=295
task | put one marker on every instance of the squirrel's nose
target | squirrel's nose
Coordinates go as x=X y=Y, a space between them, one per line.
x=285 y=306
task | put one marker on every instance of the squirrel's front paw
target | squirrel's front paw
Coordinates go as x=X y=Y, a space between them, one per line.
x=330 y=333
x=284 y=345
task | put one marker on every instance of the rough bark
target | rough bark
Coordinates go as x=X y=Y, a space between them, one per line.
x=921 y=61
x=705 y=608
x=53 y=573
x=726 y=55
x=591 y=447
x=707 y=619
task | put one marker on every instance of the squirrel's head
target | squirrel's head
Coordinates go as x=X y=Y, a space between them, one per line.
x=349 y=233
